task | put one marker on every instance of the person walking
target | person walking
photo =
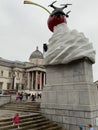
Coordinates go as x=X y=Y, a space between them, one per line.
x=90 y=127
x=16 y=120
x=17 y=96
x=80 y=127
x=21 y=96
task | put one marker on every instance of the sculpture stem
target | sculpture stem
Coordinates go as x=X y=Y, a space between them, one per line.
x=29 y=2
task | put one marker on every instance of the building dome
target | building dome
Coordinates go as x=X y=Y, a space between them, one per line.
x=36 y=54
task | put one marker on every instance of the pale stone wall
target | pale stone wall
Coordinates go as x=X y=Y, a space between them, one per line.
x=70 y=97
x=19 y=77
x=4 y=99
x=14 y=75
x=36 y=61
x=5 y=78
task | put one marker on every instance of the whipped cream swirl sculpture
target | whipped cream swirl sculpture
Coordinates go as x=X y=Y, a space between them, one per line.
x=65 y=45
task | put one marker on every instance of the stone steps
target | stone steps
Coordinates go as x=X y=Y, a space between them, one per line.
x=26 y=119
x=24 y=107
x=27 y=104
x=27 y=108
x=21 y=109
x=30 y=120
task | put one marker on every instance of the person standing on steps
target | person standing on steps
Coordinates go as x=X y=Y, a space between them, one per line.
x=16 y=120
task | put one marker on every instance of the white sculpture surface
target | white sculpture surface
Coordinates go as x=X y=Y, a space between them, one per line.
x=67 y=45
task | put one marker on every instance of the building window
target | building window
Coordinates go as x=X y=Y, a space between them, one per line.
x=9 y=74
x=22 y=87
x=1 y=85
x=1 y=72
x=18 y=74
x=23 y=75
x=17 y=87
x=38 y=86
x=8 y=86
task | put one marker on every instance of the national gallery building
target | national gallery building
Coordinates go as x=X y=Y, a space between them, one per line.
x=23 y=76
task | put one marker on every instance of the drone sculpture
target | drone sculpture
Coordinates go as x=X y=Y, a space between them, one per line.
x=56 y=17
x=58 y=11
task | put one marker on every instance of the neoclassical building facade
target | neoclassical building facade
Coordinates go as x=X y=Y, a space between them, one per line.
x=23 y=76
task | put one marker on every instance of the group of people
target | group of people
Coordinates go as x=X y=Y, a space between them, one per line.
x=19 y=96
x=89 y=126
x=27 y=96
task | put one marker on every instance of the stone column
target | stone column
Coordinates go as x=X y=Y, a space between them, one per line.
x=32 y=80
x=14 y=82
x=70 y=98
x=40 y=80
x=28 y=82
x=36 y=85
x=44 y=82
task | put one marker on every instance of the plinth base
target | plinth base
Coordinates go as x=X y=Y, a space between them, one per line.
x=69 y=97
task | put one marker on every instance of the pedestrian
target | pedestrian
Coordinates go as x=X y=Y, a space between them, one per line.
x=21 y=96
x=29 y=95
x=17 y=96
x=80 y=127
x=32 y=97
x=26 y=95
x=90 y=127
x=16 y=120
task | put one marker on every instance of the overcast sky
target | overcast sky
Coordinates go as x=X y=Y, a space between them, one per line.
x=23 y=27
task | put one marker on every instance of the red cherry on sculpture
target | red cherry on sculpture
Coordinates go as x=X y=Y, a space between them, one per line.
x=55 y=20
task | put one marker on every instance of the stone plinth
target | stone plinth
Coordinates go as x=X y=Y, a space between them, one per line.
x=69 y=97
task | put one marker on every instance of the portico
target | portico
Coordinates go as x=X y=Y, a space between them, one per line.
x=36 y=78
